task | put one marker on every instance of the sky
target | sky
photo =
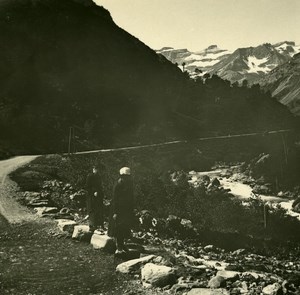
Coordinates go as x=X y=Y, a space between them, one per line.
x=196 y=24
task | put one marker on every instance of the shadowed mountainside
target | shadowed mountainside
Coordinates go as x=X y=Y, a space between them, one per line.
x=284 y=83
x=66 y=63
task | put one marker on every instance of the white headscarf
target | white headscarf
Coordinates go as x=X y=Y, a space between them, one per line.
x=125 y=171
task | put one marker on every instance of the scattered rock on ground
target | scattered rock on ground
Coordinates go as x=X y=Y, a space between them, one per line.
x=216 y=282
x=103 y=242
x=158 y=275
x=206 y=291
x=131 y=266
x=82 y=233
x=228 y=274
x=40 y=211
x=272 y=289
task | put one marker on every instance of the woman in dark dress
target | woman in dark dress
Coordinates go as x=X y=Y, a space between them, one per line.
x=95 y=199
x=122 y=206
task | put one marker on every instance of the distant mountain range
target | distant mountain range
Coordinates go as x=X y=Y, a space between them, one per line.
x=264 y=64
x=203 y=60
x=249 y=63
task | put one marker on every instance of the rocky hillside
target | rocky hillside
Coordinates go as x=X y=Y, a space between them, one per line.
x=284 y=83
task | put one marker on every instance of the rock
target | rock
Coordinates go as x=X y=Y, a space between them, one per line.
x=251 y=275
x=244 y=287
x=40 y=211
x=65 y=210
x=280 y=194
x=296 y=208
x=187 y=283
x=82 y=233
x=216 y=282
x=209 y=248
x=239 y=252
x=66 y=225
x=31 y=195
x=38 y=203
x=158 y=275
x=103 y=242
x=161 y=261
x=205 y=291
x=134 y=265
x=272 y=289
x=186 y=223
x=261 y=189
x=228 y=274
x=219 y=265
x=215 y=182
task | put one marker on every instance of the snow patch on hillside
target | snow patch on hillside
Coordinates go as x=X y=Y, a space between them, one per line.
x=297 y=49
x=284 y=47
x=256 y=65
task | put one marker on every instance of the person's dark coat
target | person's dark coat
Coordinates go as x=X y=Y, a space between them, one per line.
x=94 y=203
x=123 y=206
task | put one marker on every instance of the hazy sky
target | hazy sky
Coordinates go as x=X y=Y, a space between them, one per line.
x=196 y=24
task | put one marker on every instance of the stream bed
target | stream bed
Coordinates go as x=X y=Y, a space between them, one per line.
x=244 y=191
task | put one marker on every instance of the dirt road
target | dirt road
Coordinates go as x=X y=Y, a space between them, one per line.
x=10 y=209
x=35 y=261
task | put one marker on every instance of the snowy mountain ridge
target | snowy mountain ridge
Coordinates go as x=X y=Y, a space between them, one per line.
x=250 y=63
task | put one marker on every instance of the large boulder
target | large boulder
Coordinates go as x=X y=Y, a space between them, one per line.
x=158 y=275
x=134 y=264
x=205 y=291
x=103 y=242
x=228 y=274
x=273 y=289
x=82 y=233
x=216 y=282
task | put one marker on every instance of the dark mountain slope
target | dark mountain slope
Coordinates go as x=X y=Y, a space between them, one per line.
x=66 y=63
x=284 y=83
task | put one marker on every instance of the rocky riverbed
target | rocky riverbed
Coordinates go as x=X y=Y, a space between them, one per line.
x=239 y=186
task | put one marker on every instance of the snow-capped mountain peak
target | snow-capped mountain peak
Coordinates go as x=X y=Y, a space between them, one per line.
x=201 y=60
x=288 y=47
